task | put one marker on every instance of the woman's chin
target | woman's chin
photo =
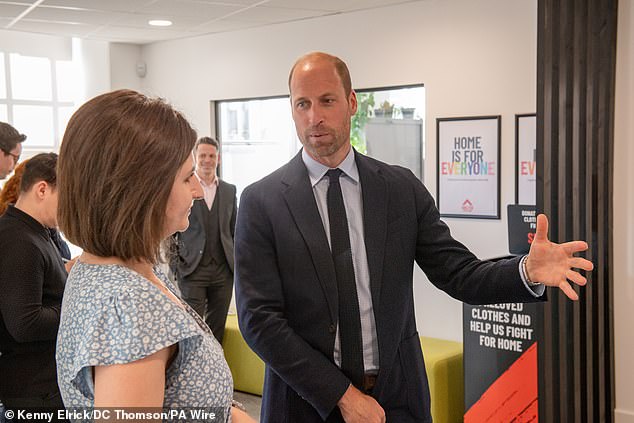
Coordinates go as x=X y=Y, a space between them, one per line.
x=181 y=228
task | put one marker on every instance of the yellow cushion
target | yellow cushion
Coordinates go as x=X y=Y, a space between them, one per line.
x=246 y=367
x=443 y=363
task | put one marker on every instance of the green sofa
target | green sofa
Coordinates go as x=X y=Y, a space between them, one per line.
x=443 y=363
x=246 y=367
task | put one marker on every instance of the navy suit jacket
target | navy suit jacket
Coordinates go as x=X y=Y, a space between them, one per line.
x=190 y=244
x=287 y=296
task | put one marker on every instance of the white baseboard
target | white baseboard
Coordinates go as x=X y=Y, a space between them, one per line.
x=623 y=416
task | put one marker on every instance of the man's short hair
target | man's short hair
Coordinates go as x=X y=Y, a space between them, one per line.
x=340 y=67
x=9 y=137
x=41 y=167
x=118 y=161
x=208 y=141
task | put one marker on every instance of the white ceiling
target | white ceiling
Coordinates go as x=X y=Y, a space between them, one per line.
x=127 y=20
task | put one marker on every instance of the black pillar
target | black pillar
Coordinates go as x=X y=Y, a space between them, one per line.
x=576 y=59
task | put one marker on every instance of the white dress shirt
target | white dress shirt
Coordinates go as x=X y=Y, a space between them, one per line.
x=353 y=202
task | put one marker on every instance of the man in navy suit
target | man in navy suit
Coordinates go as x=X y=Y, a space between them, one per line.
x=295 y=262
x=204 y=263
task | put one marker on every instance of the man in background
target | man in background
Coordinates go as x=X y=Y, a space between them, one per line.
x=204 y=262
x=10 y=148
x=32 y=279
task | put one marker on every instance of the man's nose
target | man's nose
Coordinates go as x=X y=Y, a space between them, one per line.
x=315 y=115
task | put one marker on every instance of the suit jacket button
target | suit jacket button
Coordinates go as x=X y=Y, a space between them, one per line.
x=332 y=329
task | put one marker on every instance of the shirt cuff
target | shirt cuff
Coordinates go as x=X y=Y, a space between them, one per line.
x=535 y=288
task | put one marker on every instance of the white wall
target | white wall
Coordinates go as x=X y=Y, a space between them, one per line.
x=475 y=58
x=623 y=223
x=94 y=59
x=123 y=61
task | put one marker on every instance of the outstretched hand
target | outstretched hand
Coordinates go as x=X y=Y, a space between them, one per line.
x=552 y=264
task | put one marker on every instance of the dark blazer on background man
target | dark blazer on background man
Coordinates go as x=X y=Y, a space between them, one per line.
x=191 y=243
x=286 y=289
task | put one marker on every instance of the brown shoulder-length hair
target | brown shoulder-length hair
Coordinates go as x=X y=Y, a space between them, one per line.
x=117 y=163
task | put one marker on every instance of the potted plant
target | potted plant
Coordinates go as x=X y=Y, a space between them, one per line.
x=385 y=110
x=408 y=112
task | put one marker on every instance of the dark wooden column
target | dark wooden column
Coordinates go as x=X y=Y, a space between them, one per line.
x=576 y=57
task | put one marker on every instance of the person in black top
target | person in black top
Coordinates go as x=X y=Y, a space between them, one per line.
x=9 y=195
x=32 y=278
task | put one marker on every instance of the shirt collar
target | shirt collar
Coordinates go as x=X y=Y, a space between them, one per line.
x=215 y=182
x=316 y=170
x=28 y=220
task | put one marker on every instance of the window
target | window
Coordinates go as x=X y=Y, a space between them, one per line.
x=389 y=126
x=3 y=78
x=30 y=78
x=258 y=136
x=37 y=98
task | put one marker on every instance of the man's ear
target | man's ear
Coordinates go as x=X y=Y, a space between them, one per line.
x=40 y=189
x=352 y=101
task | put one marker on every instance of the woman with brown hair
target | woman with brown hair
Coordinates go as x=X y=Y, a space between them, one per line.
x=126 y=338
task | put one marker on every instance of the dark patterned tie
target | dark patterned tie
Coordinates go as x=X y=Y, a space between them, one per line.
x=349 y=320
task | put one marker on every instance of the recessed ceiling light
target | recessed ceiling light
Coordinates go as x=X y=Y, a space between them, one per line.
x=160 y=22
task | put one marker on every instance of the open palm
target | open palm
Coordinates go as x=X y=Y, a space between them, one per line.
x=552 y=264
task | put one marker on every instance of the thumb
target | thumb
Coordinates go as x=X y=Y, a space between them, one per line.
x=541 y=233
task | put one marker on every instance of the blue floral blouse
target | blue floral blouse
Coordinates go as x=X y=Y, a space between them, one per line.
x=113 y=315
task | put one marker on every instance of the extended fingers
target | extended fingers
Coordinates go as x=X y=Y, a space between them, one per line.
x=581 y=263
x=575 y=246
x=575 y=277
x=567 y=289
x=541 y=232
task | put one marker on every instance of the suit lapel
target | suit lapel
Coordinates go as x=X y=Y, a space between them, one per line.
x=301 y=202
x=223 y=215
x=374 y=194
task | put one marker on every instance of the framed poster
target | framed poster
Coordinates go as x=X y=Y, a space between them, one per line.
x=525 y=159
x=468 y=173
